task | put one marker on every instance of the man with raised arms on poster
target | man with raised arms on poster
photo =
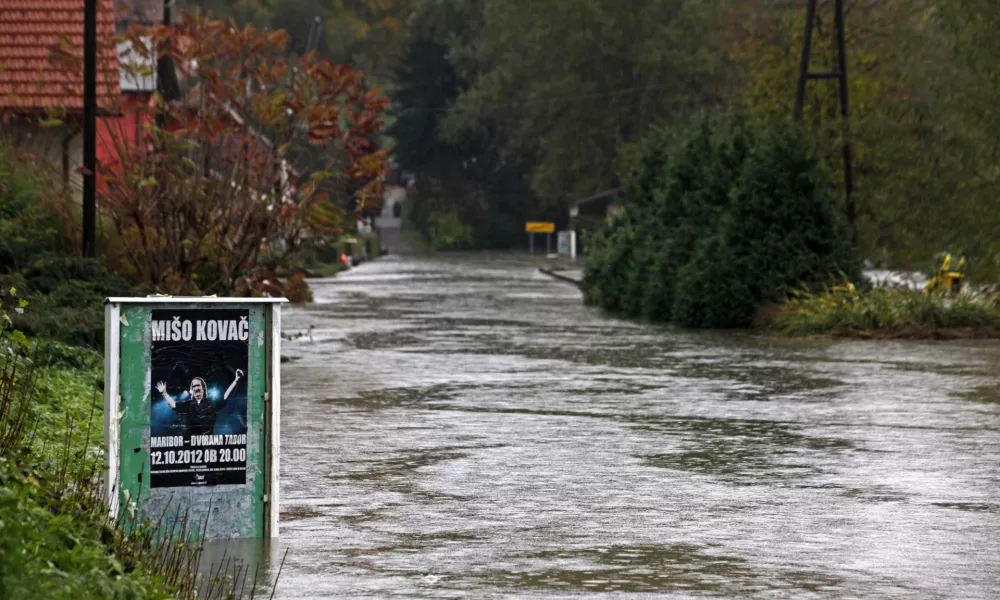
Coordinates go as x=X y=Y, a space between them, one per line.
x=199 y=412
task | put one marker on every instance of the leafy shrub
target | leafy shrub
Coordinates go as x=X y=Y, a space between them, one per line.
x=716 y=225
x=67 y=295
x=674 y=216
x=608 y=258
x=782 y=229
x=51 y=548
x=64 y=356
x=57 y=539
x=29 y=221
x=847 y=309
x=51 y=273
x=711 y=289
x=658 y=294
x=447 y=232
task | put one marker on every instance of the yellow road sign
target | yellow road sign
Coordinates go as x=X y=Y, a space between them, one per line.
x=539 y=227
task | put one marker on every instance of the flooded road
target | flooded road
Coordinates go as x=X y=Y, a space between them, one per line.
x=463 y=427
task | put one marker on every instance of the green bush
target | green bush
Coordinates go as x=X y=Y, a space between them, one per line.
x=51 y=273
x=56 y=540
x=711 y=288
x=845 y=309
x=784 y=222
x=66 y=292
x=782 y=229
x=50 y=550
x=717 y=224
x=29 y=225
x=67 y=295
x=608 y=256
x=660 y=287
x=447 y=232
x=64 y=356
x=676 y=211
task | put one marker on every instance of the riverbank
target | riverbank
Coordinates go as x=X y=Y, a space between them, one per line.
x=889 y=313
x=903 y=311
x=56 y=540
x=918 y=333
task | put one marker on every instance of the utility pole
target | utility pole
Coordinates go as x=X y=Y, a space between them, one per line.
x=315 y=31
x=166 y=76
x=89 y=128
x=841 y=75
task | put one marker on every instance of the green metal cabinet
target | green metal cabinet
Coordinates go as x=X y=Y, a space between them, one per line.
x=191 y=419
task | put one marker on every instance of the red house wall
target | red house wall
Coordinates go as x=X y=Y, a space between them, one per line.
x=124 y=132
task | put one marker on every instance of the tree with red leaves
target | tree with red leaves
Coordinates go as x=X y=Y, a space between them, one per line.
x=250 y=155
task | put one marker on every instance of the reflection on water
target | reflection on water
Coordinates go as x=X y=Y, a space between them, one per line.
x=463 y=427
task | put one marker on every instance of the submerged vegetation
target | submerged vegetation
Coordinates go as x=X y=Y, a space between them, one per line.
x=889 y=312
x=56 y=537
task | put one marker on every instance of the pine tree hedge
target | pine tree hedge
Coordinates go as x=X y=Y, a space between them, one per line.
x=717 y=224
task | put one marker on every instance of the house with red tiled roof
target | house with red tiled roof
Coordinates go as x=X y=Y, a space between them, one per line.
x=125 y=131
x=41 y=77
x=41 y=86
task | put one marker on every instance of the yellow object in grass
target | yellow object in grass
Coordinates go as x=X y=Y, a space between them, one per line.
x=946 y=280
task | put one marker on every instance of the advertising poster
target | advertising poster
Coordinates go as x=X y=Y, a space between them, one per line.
x=198 y=397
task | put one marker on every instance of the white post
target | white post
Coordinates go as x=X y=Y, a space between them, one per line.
x=112 y=385
x=572 y=244
x=274 y=418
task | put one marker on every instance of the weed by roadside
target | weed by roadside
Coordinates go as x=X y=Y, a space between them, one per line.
x=883 y=312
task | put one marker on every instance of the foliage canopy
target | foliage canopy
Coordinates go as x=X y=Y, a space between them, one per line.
x=254 y=158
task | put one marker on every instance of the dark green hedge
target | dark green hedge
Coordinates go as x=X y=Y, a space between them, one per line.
x=716 y=224
x=65 y=292
x=66 y=295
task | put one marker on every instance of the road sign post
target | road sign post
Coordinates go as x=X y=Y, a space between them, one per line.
x=192 y=413
x=533 y=227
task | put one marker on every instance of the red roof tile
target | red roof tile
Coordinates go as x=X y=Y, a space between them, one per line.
x=32 y=77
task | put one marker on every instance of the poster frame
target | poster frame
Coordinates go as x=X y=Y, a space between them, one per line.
x=272 y=394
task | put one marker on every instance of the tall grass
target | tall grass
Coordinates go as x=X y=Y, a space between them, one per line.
x=16 y=383
x=845 y=309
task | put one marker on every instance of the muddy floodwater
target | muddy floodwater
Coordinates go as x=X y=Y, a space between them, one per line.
x=464 y=427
